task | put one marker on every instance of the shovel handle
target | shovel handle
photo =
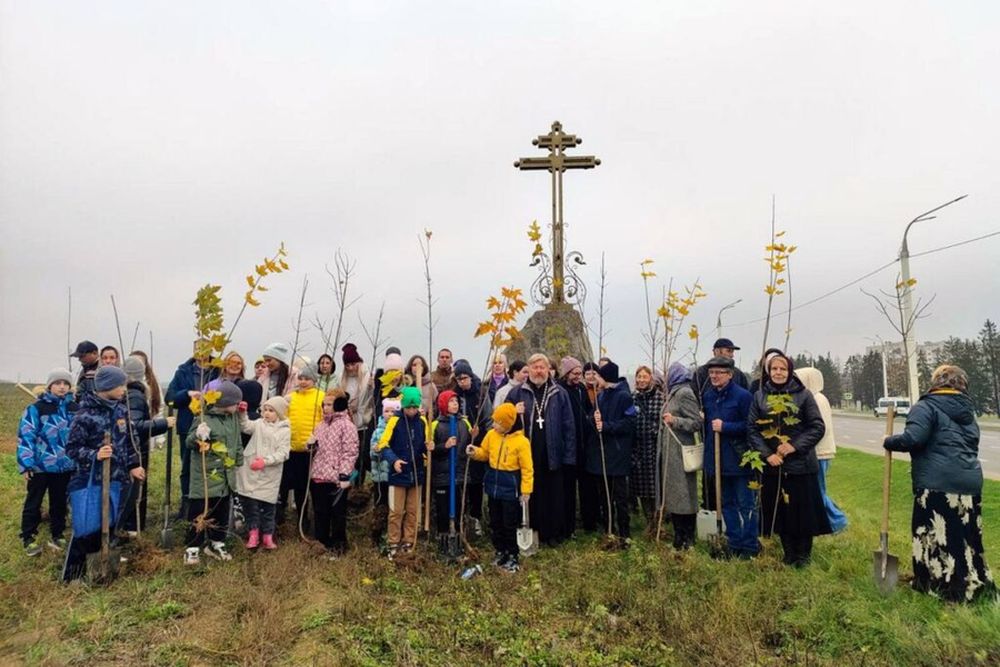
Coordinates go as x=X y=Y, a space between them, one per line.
x=524 y=513
x=887 y=472
x=718 y=477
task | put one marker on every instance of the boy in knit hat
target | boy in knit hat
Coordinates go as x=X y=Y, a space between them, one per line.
x=402 y=445
x=451 y=430
x=42 y=460
x=217 y=451
x=305 y=411
x=102 y=413
x=509 y=481
x=259 y=478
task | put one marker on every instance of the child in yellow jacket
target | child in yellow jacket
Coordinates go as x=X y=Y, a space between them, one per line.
x=305 y=411
x=509 y=481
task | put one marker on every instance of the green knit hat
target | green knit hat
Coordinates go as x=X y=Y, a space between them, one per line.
x=411 y=397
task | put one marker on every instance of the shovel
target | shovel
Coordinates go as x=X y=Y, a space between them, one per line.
x=102 y=566
x=717 y=543
x=885 y=566
x=527 y=539
x=167 y=534
x=453 y=547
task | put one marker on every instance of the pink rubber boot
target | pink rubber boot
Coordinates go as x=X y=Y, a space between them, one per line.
x=254 y=540
x=269 y=542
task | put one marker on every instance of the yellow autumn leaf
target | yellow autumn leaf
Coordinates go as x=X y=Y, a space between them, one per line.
x=261 y=270
x=250 y=281
x=484 y=328
x=911 y=282
x=250 y=300
x=492 y=303
x=693 y=332
x=646 y=261
x=779 y=235
x=283 y=264
x=262 y=288
x=365 y=581
x=753 y=485
x=211 y=397
x=663 y=311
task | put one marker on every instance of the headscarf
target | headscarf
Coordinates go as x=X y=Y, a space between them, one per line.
x=676 y=374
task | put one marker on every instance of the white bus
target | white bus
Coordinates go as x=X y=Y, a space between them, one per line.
x=901 y=404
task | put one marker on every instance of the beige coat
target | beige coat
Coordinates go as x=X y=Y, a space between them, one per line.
x=812 y=378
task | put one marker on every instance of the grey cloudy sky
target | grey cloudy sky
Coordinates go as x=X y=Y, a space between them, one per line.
x=148 y=148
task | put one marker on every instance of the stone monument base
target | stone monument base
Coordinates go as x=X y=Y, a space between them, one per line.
x=557 y=331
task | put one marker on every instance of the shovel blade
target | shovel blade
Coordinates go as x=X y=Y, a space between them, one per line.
x=525 y=538
x=101 y=572
x=885 y=569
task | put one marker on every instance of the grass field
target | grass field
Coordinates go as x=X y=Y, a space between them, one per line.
x=577 y=605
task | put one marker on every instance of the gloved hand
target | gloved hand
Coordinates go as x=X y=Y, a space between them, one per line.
x=203 y=431
x=242 y=406
x=257 y=464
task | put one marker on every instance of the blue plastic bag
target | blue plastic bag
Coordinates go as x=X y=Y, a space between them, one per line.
x=85 y=504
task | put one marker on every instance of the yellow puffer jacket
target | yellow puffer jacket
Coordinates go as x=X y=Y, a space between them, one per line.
x=506 y=453
x=305 y=411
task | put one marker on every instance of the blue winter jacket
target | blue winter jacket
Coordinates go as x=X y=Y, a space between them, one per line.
x=41 y=437
x=560 y=429
x=96 y=417
x=188 y=377
x=731 y=404
x=405 y=439
x=618 y=417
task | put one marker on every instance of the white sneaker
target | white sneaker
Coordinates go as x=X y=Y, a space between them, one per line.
x=217 y=550
x=477 y=527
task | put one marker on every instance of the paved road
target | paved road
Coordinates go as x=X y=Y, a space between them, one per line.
x=866 y=433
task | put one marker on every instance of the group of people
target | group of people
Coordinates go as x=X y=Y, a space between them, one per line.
x=568 y=443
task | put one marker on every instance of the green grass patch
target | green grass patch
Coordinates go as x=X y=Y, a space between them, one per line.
x=577 y=605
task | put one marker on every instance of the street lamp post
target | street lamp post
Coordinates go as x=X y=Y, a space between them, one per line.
x=718 y=318
x=885 y=370
x=909 y=340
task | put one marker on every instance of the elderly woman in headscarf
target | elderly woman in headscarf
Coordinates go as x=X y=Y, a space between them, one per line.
x=682 y=420
x=942 y=438
x=648 y=397
x=785 y=426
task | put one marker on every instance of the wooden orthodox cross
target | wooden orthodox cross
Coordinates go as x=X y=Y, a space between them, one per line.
x=556 y=162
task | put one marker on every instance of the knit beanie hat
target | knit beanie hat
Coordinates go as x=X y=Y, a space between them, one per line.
x=410 y=398
x=231 y=394
x=57 y=374
x=135 y=369
x=567 y=365
x=280 y=351
x=308 y=372
x=462 y=367
x=350 y=354
x=109 y=377
x=443 y=398
x=391 y=403
x=609 y=372
x=505 y=415
x=279 y=404
x=393 y=362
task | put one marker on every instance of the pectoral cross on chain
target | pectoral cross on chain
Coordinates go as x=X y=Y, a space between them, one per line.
x=540 y=421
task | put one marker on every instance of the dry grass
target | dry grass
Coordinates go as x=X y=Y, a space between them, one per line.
x=577 y=605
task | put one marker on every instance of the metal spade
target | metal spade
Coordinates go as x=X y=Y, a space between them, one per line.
x=885 y=566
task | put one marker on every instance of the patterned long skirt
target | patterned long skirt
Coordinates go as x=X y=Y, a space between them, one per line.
x=948 y=558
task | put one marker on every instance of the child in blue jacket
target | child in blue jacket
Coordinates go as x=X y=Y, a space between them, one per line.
x=403 y=444
x=42 y=460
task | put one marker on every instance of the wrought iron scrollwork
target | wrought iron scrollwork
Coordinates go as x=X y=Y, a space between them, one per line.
x=574 y=288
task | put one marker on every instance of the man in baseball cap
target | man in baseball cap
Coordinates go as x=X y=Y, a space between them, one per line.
x=726 y=349
x=87 y=352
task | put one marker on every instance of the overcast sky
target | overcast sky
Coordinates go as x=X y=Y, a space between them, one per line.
x=147 y=148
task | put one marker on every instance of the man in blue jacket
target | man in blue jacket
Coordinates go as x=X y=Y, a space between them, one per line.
x=727 y=406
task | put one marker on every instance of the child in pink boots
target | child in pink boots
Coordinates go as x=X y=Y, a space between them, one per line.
x=258 y=479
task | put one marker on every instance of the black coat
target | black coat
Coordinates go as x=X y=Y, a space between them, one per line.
x=143 y=426
x=440 y=459
x=583 y=411
x=804 y=434
x=942 y=438
x=618 y=416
